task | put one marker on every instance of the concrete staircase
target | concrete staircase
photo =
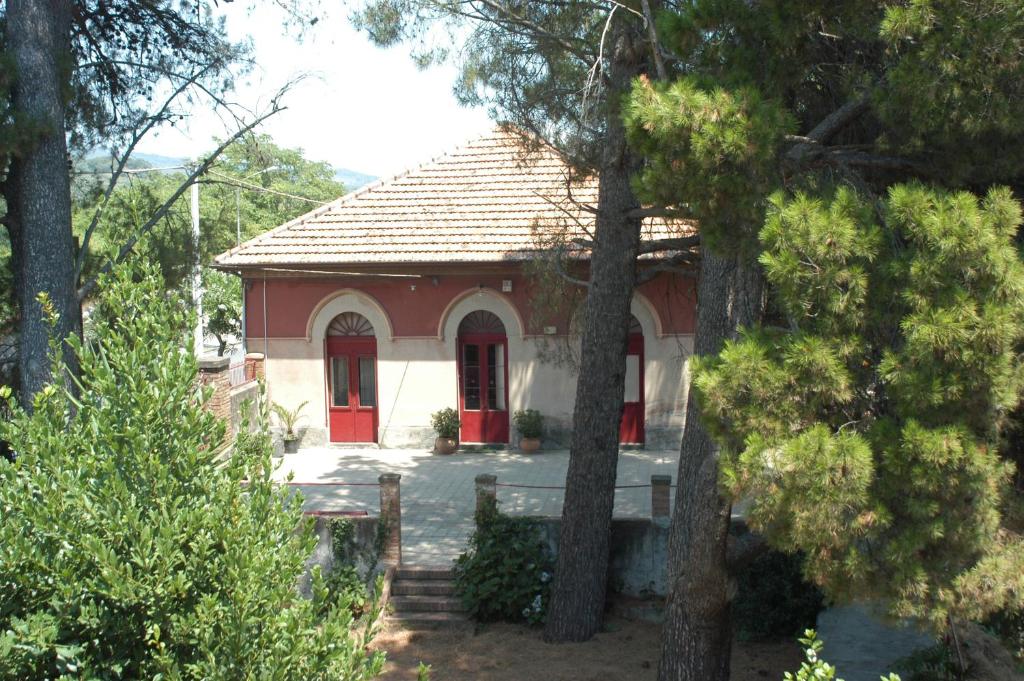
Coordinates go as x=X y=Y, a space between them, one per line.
x=425 y=596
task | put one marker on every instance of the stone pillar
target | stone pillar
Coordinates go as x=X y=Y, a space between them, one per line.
x=660 y=489
x=259 y=362
x=486 y=493
x=213 y=372
x=391 y=516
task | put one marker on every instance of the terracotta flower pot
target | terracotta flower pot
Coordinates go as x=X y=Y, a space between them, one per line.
x=529 y=445
x=445 y=445
x=291 y=446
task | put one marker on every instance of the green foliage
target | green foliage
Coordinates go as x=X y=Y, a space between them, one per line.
x=718 y=147
x=346 y=586
x=289 y=418
x=222 y=303
x=506 y=572
x=529 y=422
x=1008 y=625
x=773 y=600
x=224 y=210
x=445 y=423
x=423 y=672
x=130 y=549
x=930 y=664
x=866 y=433
x=955 y=74
x=814 y=668
x=354 y=567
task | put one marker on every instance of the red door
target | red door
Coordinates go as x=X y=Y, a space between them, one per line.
x=483 y=389
x=631 y=431
x=352 y=388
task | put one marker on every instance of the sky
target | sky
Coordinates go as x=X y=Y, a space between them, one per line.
x=362 y=108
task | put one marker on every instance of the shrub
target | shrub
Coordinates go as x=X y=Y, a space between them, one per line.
x=773 y=600
x=934 y=663
x=445 y=423
x=130 y=549
x=1008 y=625
x=506 y=572
x=813 y=667
x=529 y=422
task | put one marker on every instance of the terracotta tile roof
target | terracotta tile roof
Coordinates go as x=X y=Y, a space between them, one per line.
x=491 y=200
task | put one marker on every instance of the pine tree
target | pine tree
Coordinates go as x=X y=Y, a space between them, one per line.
x=832 y=104
x=561 y=70
x=864 y=433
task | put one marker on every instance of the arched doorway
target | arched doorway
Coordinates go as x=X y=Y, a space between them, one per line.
x=483 y=378
x=351 y=352
x=631 y=431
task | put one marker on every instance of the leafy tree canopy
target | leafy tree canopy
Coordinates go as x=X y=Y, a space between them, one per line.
x=864 y=433
x=130 y=549
x=293 y=184
x=844 y=145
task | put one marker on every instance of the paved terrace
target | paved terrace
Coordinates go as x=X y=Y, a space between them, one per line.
x=438 y=492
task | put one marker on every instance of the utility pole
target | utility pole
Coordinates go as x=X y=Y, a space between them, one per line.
x=197 y=274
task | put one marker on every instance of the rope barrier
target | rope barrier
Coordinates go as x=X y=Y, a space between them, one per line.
x=333 y=484
x=505 y=484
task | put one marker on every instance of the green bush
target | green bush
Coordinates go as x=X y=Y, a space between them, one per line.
x=813 y=667
x=935 y=663
x=1008 y=625
x=130 y=549
x=445 y=423
x=529 y=422
x=773 y=600
x=506 y=572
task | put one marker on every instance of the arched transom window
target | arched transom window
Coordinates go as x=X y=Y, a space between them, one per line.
x=481 y=322
x=350 y=324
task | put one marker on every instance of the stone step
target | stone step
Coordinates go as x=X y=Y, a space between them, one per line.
x=414 y=620
x=423 y=587
x=423 y=572
x=408 y=604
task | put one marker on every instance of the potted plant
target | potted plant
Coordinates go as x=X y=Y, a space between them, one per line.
x=529 y=423
x=289 y=418
x=446 y=425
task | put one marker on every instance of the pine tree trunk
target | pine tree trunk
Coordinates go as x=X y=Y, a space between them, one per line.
x=37 y=187
x=578 y=592
x=697 y=636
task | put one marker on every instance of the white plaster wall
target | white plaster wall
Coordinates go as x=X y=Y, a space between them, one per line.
x=417 y=376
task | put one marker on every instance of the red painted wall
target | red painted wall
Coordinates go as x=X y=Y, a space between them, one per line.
x=290 y=302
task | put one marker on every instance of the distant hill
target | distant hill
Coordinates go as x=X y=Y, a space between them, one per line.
x=158 y=161
x=352 y=179
x=100 y=162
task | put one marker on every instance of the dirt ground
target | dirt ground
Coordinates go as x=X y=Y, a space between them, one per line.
x=627 y=651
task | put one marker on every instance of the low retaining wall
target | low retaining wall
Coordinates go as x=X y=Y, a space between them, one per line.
x=639 y=554
x=243 y=403
x=361 y=548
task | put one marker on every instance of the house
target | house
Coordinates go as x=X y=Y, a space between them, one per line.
x=413 y=294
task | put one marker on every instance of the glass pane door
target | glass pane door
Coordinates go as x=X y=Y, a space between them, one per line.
x=339 y=381
x=471 y=376
x=496 y=377
x=367 y=382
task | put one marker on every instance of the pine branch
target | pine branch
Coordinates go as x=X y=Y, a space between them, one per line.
x=674 y=213
x=684 y=243
x=685 y=264
x=151 y=121
x=808 y=146
x=158 y=215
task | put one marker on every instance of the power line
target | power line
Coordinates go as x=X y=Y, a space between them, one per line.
x=233 y=181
